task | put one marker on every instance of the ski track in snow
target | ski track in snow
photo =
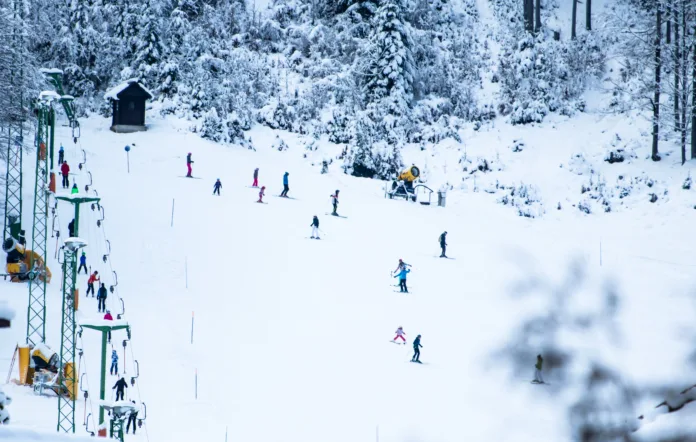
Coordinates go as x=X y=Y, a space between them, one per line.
x=290 y=335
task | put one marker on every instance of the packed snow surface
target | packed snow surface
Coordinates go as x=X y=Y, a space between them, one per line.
x=290 y=335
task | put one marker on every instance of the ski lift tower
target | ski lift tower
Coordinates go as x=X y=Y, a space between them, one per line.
x=68 y=377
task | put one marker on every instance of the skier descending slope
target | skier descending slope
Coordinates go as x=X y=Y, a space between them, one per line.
x=286 y=187
x=402 y=279
x=538 y=379
x=315 y=228
x=256 y=178
x=189 y=161
x=261 y=194
x=402 y=265
x=443 y=244
x=334 y=203
x=217 y=187
x=416 y=350
x=399 y=335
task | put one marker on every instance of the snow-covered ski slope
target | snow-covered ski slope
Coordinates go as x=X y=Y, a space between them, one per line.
x=291 y=335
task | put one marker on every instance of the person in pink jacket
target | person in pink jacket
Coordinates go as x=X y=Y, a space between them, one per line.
x=400 y=334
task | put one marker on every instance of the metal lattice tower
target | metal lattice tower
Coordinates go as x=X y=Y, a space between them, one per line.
x=36 y=311
x=12 y=133
x=68 y=377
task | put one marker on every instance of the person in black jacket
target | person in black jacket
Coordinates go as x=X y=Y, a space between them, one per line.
x=217 y=187
x=416 y=349
x=315 y=228
x=120 y=385
x=71 y=228
x=131 y=419
x=443 y=244
x=101 y=298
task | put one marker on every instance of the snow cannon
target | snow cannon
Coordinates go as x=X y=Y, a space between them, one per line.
x=23 y=264
x=44 y=358
x=402 y=186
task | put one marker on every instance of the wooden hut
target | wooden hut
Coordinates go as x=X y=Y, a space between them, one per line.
x=128 y=106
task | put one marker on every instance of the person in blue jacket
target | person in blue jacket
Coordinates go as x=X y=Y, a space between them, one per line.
x=83 y=263
x=217 y=187
x=61 y=155
x=114 y=363
x=402 y=279
x=286 y=188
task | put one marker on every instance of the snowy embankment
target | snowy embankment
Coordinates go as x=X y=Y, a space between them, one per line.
x=291 y=335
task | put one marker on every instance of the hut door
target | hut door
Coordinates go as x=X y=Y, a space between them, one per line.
x=130 y=112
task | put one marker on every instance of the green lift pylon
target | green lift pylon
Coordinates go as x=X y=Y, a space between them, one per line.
x=68 y=375
x=45 y=148
x=12 y=133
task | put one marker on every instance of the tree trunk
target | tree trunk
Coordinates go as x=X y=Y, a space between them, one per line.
x=529 y=15
x=588 y=15
x=677 y=59
x=656 y=98
x=574 y=19
x=685 y=81
x=693 y=102
x=537 y=15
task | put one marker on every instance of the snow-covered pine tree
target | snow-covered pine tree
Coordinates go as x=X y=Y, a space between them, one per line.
x=390 y=65
x=212 y=127
x=369 y=156
x=148 y=54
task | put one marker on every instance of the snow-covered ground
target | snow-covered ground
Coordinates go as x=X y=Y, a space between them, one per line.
x=290 y=338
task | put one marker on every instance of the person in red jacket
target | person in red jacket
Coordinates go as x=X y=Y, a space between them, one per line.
x=94 y=277
x=65 y=170
x=108 y=317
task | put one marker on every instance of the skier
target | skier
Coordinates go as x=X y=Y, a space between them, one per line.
x=101 y=298
x=65 y=170
x=189 y=161
x=261 y=194
x=286 y=188
x=402 y=279
x=114 y=363
x=256 y=178
x=94 y=277
x=443 y=244
x=416 y=349
x=400 y=334
x=315 y=228
x=217 y=187
x=74 y=190
x=537 y=371
x=131 y=418
x=108 y=317
x=402 y=265
x=83 y=263
x=61 y=155
x=334 y=202
x=120 y=385
x=71 y=228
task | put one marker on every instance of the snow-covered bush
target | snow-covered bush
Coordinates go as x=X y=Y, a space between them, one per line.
x=525 y=198
x=276 y=115
x=687 y=183
x=369 y=156
x=5 y=400
x=517 y=146
x=579 y=165
x=212 y=128
x=618 y=151
x=279 y=144
x=481 y=164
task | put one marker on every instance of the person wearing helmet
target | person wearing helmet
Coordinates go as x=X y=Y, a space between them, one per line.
x=315 y=228
x=443 y=244
x=400 y=334
x=217 y=187
x=114 y=363
x=402 y=265
x=402 y=279
x=286 y=187
x=261 y=194
x=189 y=161
x=256 y=178
x=416 y=349
x=334 y=201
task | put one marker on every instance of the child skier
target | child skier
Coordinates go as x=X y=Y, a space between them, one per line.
x=94 y=277
x=416 y=349
x=261 y=194
x=402 y=279
x=286 y=187
x=74 y=190
x=443 y=244
x=101 y=298
x=256 y=178
x=315 y=228
x=217 y=187
x=334 y=202
x=65 y=170
x=114 y=363
x=120 y=385
x=400 y=334
x=402 y=265
x=189 y=161
x=537 y=371
x=83 y=263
